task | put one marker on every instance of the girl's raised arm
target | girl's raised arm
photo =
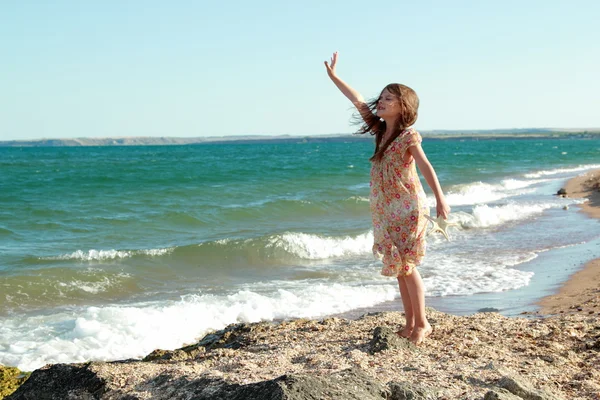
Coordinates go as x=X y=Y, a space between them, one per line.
x=352 y=95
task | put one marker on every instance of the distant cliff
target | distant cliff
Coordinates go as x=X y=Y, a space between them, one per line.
x=164 y=141
x=161 y=141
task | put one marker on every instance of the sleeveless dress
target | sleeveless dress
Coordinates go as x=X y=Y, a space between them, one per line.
x=398 y=208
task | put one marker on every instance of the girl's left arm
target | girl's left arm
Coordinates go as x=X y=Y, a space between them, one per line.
x=430 y=176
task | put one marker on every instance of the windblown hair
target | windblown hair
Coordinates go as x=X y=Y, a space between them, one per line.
x=372 y=124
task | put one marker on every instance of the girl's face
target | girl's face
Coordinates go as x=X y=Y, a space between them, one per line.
x=387 y=105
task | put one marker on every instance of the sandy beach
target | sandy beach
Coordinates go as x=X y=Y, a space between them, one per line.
x=581 y=293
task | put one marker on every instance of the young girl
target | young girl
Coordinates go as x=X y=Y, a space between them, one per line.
x=398 y=204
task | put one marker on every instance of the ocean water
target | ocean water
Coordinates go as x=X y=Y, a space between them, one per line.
x=111 y=252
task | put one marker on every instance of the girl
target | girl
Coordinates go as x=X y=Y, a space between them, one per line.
x=398 y=204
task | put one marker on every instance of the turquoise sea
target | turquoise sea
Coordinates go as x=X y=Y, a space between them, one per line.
x=111 y=252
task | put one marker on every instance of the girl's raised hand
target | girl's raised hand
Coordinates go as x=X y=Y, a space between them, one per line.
x=331 y=68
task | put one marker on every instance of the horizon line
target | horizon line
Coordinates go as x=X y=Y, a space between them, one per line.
x=300 y=135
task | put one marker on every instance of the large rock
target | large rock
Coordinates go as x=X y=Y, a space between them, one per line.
x=524 y=389
x=500 y=394
x=61 y=382
x=406 y=391
x=384 y=339
x=78 y=381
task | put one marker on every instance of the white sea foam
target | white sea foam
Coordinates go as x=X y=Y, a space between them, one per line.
x=95 y=287
x=459 y=275
x=359 y=199
x=316 y=247
x=100 y=255
x=485 y=216
x=481 y=193
x=118 y=332
x=559 y=171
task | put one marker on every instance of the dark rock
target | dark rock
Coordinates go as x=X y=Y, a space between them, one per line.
x=78 y=381
x=172 y=355
x=384 y=338
x=488 y=309
x=562 y=192
x=500 y=394
x=234 y=336
x=405 y=391
x=593 y=345
x=546 y=357
x=490 y=365
x=61 y=382
x=524 y=389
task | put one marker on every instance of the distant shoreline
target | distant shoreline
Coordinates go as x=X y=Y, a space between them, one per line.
x=433 y=134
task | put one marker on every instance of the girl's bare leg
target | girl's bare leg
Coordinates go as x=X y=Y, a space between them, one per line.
x=408 y=308
x=416 y=291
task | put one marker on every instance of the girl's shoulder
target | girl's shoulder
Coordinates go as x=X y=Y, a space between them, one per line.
x=409 y=137
x=408 y=132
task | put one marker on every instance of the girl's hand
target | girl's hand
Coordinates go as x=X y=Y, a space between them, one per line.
x=442 y=208
x=331 y=68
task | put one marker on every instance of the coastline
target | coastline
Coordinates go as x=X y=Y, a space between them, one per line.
x=581 y=292
x=475 y=134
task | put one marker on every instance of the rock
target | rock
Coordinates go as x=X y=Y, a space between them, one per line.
x=500 y=394
x=490 y=365
x=405 y=391
x=65 y=382
x=593 y=345
x=562 y=192
x=547 y=357
x=10 y=379
x=172 y=355
x=522 y=388
x=488 y=309
x=384 y=338
x=61 y=382
x=233 y=336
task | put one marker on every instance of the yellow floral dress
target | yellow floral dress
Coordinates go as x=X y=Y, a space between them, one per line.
x=398 y=208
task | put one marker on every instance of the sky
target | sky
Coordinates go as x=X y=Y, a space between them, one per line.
x=180 y=68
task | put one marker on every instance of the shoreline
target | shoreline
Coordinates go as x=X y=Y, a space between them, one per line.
x=577 y=289
x=580 y=293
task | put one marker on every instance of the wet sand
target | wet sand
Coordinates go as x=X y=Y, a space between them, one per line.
x=581 y=293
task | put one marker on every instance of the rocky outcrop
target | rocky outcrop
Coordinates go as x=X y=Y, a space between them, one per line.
x=466 y=357
x=510 y=387
x=62 y=382
x=83 y=381
x=385 y=338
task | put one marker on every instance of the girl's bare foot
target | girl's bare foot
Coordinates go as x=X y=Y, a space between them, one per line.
x=419 y=334
x=405 y=332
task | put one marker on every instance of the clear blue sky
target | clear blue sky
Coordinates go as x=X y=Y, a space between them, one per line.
x=212 y=68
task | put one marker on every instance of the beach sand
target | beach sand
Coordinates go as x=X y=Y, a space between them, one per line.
x=581 y=293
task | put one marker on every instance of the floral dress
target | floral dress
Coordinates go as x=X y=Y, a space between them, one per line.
x=398 y=208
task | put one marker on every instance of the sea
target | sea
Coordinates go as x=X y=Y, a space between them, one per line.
x=111 y=252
